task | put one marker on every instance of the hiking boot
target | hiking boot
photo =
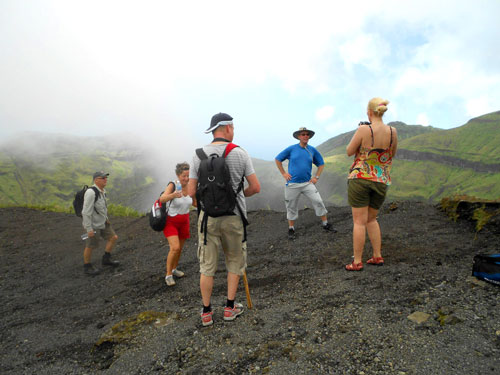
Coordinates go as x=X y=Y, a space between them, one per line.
x=169 y=280
x=177 y=273
x=206 y=318
x=90 y=270
x=291 y=233
x=232 y=313
x=106 y=260
x=329 y=228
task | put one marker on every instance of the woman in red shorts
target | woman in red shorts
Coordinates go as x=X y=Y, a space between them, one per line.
x=177 y=227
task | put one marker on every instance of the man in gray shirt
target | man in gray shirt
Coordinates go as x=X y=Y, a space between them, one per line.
x=96 y=222
x=226 y=231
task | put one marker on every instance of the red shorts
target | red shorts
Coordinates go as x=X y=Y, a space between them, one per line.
x=177 y=225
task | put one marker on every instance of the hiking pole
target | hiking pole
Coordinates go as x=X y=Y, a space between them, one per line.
x=247 y=290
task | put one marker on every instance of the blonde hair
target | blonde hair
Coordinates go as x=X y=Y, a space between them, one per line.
x=378 y=106
x=181 y=167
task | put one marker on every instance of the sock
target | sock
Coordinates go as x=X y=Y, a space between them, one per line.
x=292 y=227
x=207 y=309
x=230 y=303
x=325 y=223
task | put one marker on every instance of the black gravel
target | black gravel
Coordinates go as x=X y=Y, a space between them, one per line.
x=310 y=316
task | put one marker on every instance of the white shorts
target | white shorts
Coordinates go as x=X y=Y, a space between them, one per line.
x=292 y=195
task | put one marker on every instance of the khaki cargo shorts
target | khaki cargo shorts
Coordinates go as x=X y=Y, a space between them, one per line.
x=363 y=193
x=107 y=233
x=224 y=232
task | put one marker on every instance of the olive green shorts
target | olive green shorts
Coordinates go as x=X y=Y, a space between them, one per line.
x=107 y=233
x=224 y=232
x=363 y=193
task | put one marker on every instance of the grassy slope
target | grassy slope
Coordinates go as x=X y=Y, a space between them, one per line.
x=52 y=178
x=433 y=181
x=478 y=140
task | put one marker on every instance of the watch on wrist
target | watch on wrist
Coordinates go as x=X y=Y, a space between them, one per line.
x=317 y=177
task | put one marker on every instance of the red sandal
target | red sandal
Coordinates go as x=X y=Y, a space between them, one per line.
x=376 y=261
x=354 y=266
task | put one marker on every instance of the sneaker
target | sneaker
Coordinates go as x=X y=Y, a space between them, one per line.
x=206 y=318
x=106 y=260
x=232 y=313
x=177 y=273
x=291 y=233
x=90 y=270
x=169 y=280
x=328 y=227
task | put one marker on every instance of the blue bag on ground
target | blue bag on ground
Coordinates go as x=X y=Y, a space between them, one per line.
x=487 y=267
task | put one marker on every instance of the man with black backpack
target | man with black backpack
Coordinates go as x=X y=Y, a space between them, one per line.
x=217 y=179
x=96 y=222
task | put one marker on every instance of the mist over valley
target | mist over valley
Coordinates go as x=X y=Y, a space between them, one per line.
x=431 y=163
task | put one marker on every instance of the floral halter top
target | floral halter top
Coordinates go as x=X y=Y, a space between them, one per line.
x=372 y=164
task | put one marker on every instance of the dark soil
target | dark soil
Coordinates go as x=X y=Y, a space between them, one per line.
x=310 y=316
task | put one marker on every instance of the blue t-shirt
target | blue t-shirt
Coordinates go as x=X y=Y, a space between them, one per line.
x=300 y=161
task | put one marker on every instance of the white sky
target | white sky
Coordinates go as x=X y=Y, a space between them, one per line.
x=161 y=69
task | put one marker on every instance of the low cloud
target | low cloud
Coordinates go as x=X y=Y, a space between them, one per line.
x=479 y=106
x=159 y=70
x=337 y=127
x=325 y=113
x=422 y=119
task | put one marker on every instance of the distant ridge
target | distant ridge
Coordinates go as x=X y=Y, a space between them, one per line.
x=331 y=146
x=477 y=166
x=431 y=163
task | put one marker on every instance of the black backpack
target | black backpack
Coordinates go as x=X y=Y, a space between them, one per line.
x=158 y=214
x=214 y=193
x=487 y=267
x=79 y=196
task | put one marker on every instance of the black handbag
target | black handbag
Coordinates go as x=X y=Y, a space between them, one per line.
x=158 y=214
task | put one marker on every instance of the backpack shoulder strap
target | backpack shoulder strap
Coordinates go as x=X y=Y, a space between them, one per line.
x=97 y=193
x=170 y=182
x=163 y=205
x=201 y=154
x=230 y=146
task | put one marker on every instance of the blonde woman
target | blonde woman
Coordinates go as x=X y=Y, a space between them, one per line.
x=373 y=145
x=177 y=227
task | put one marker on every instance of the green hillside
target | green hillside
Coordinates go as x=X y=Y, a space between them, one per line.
x=337 y=145
x=478 y=140
x=48 y=170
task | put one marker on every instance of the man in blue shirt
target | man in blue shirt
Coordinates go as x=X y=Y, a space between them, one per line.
x=298 y=179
